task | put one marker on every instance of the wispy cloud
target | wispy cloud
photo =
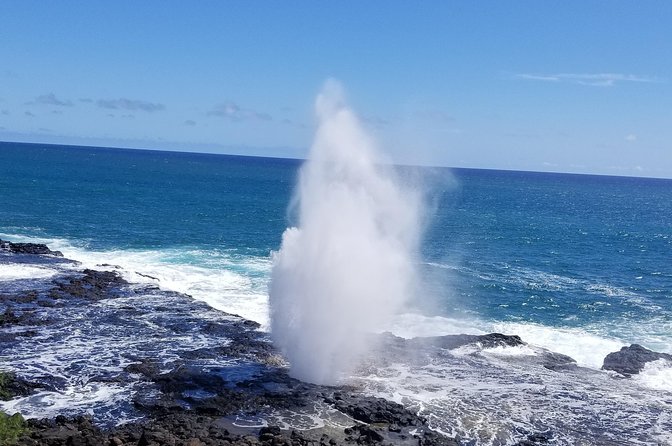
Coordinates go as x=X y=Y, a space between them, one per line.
x=434 y=116
x=375 y=121
x=130 y=104
x=50 y=99
x=236 y=113
x=594 y=79
x=631 y=137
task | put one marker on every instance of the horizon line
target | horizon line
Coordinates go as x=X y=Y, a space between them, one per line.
x=146 y=149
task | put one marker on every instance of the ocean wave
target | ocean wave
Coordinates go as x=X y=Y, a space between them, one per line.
x=587 y=348
x=496 y=397
x=656 y=375
x=227 y=280
x=16 y=271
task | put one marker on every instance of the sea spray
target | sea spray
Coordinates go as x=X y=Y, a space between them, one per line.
x=349 y=265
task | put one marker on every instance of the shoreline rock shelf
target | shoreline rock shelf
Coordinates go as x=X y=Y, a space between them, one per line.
x=196 y=376
x=188 y=404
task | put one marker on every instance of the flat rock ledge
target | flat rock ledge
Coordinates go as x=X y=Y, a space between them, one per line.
x=28 y=248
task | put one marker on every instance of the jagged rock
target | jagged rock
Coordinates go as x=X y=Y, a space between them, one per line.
x=60 y=431
x=28 y=248
x=26 y=317
x=631 y=360
x=9 y=317
x=187 y=405
x=558 y=361
x=374 y=410
x=535 y=440
x=12 y=386
x=94 y=285
x=485 y=341
x=146 y=367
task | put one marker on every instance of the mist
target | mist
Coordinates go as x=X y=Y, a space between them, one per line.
x=350 y=263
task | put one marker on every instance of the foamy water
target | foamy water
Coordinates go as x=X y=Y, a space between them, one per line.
x=225 y=280
x=485 y=394
x=495 y=396
x=19 y=272
x=237 y=284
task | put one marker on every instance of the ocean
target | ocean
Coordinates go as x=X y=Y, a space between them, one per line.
x=575 y=264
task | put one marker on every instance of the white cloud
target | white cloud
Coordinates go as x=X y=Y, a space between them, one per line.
x=129 y=104
x=234 y=112
x=51 y=99
x=592 y=79
x=631 y=137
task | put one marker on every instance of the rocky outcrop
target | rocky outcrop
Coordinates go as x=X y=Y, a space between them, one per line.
x=188 y=404
x=490 y=340
x=93 y=285
x=631 y=360
x=192 y=430
x=12 y=386
x=28 y=248
x=374 y=410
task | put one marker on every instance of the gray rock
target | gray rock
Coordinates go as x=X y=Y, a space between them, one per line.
x=631 y=360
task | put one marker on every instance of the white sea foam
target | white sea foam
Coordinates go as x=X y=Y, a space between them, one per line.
x=588 y=349
x=656 y=375
x=225 y=280
x=20 y=272
x=497 y=397
x=518 y=350
x=411 y=325
x=90 y=398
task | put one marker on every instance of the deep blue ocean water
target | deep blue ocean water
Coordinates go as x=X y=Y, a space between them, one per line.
x=552 y=249
x=575 y=264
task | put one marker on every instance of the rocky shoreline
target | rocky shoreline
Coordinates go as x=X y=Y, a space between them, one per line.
x=185 y=399
x=187 y=405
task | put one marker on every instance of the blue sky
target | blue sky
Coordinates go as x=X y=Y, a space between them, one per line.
x=570 y=86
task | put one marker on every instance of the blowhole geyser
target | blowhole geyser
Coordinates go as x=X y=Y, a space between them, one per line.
x=349 y=265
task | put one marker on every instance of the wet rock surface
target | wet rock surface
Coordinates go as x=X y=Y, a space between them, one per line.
x=177 y=396
x=12 y=386
x=174 y=371
x=422 y=349
x=93 y=285
x=631 y=360
x=28 y=248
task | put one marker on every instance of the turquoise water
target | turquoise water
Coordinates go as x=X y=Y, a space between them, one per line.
x=560 y=258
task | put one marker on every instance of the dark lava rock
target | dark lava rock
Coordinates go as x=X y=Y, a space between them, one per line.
x=63 y=431
x=396 y=346
x=374 y=410
x=28 y=248
x=631 y=360
x=94 y=285
x=535 y=440
x=485 y=341
x=558 y=362
x=28 y=317
x=9 y=318
x=190 y=405
x=363 y=434
x=12 y=386
x=146 y=367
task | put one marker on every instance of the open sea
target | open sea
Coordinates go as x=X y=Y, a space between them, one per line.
x=575 y=264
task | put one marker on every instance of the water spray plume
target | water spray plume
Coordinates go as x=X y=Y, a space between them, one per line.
x=349 y=266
